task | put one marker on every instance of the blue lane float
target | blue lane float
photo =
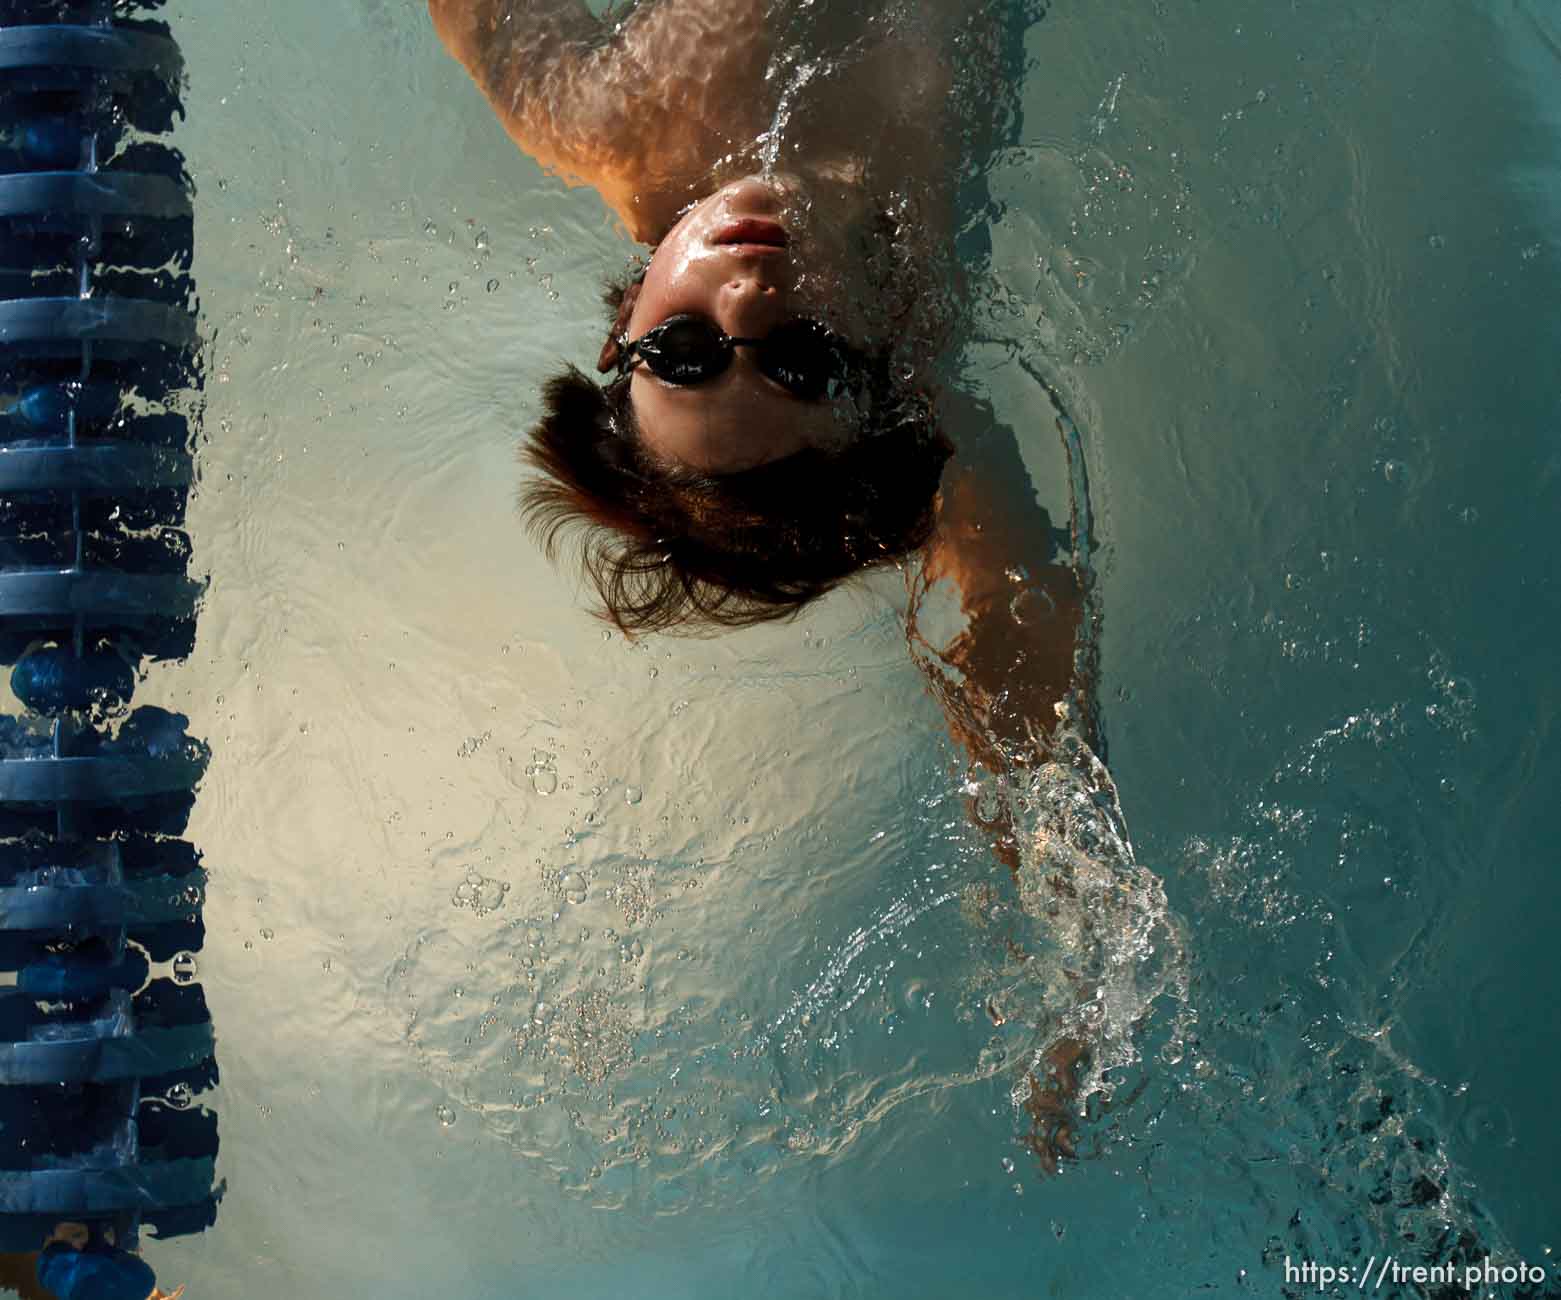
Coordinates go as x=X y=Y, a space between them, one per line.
x=105 y=1040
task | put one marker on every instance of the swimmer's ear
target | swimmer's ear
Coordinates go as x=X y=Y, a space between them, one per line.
x=610 y=349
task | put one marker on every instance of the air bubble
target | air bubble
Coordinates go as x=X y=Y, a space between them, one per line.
x=574 y=887
x=183 y=968
x=483 y=894
x=445 y=1114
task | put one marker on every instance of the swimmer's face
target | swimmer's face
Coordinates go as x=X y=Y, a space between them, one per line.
x=736 y=259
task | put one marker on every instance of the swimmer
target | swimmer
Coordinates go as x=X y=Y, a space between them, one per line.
x=768 y=422
x=73 y=1262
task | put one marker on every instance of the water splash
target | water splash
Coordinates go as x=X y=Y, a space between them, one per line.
x=799 y=72
x=1095 y=944
x=646 y=1055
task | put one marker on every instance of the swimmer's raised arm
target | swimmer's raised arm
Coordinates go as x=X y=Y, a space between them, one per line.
x=1017 y=656
x=640 y=110
x=1000 y=680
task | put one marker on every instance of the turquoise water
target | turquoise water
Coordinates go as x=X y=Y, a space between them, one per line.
x=546 y=964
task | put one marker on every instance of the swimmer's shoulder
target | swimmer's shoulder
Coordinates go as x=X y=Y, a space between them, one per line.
x=615 y=106
x=532 y=60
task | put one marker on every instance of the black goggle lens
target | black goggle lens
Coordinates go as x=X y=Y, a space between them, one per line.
x=685 y=351
x=804 y=357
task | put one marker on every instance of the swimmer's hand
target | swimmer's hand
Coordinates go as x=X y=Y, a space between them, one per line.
x=1053 y=1136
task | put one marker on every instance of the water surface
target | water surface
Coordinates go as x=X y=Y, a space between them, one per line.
x=1294 y=271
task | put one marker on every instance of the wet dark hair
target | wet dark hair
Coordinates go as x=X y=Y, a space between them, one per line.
x=672 y=549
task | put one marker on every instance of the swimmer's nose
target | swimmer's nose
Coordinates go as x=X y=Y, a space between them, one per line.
x=751 y=306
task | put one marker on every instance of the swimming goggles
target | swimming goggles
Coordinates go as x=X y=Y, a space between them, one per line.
x=808 y=359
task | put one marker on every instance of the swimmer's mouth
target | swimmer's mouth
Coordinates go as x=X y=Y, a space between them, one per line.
x=751 y=232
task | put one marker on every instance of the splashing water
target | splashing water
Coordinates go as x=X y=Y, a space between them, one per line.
x=772 y=140
x=1096 y=944
x=642 y=1055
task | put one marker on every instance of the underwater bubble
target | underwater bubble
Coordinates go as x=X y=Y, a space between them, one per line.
x=493 y=285
x=179 y=1096
x=184 y=968
x=633 y=795
x=574 y=887
x=445 y=1114
x=483 y=894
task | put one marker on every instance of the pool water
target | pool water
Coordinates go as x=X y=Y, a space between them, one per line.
x=544 y=963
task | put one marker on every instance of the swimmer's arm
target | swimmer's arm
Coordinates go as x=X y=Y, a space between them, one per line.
x=999 y=681
x=1017 y=656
